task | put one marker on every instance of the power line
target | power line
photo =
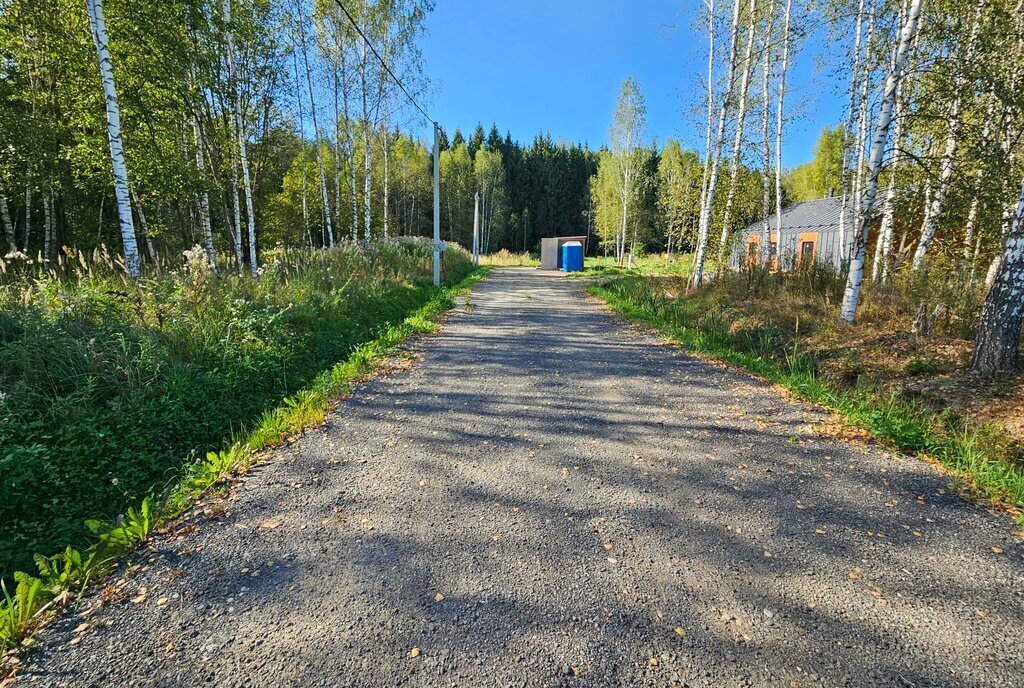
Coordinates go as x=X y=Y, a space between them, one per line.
x=383 y=63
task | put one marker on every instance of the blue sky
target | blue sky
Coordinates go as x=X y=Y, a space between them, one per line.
x=556 y=66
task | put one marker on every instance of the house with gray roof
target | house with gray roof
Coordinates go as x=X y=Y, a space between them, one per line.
x=810 y=234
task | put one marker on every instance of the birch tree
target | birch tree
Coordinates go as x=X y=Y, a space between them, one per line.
x=764 y=256
x=934 y=210
x=737 y=144
x=316 y=127
x=855 y=275
x=883 y=247
x=5 y=213
x=238 y=122
x=98 y=24
x=783 y=69
x=849 y=130
x=697 y=276
x=997 y=343
x=626 y=137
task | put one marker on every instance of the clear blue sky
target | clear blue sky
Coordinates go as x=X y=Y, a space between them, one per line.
x=556 y=66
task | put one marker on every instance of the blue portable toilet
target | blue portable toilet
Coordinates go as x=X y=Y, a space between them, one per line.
x=572 y=256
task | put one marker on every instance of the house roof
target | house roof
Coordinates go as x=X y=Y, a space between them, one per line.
x=805 y=215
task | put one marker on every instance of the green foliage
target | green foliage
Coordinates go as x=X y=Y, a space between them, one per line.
x=109 y=385
x=70 y=571
x=972 y=451
x=823 y=173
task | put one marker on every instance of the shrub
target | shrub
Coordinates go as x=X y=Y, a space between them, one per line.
x=110 y=385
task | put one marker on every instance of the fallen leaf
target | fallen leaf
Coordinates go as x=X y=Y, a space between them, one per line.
x=414 y=653
x=161 y=602
x=653 y=661
x=439 y=597
x=855 y=573
x=680 y=632
x=997 y=550
x=819 y=531
x=271 y=524
x=607 y=545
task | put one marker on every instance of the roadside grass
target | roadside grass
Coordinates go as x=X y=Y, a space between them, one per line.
x=507 y=259
x=657 y=264
x=976 y=452
x=61 y=578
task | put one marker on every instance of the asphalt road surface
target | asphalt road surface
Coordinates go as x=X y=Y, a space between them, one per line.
x=548 y=497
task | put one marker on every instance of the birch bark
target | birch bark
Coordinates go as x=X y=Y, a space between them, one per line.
x=318 y=142
x=778 y=136
x=697 y=277
x=847 y=147
x=763 y=253
x=997 y=344
x=5 y=212
x=737 y=144
x=98 y=24
x=935 y=208
x=855 y=275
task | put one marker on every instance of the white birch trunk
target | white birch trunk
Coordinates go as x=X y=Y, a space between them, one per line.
x=935 y=208
x=855 y=276
x=883 y=247
x=238 y=122
x=204 y=196
x=354 y=195
x=863 y=122
x=144 y=229
x=737 y=144
x=704 y=226
x=98 y=24
x=236 y=205
x=5 y=212
x=367 y=143
x=763 y=254
x=47 y=227
x=844 y=248
x=337 y=152
x=711 y=99
x=302 y=154
x=28 y=210
x=384 y=130
x=318 y=142
x=997 y=344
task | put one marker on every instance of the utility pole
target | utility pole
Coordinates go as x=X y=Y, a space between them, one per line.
x=476 y=229
x=437 y=206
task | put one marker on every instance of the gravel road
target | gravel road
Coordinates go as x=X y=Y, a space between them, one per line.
x=548 y=497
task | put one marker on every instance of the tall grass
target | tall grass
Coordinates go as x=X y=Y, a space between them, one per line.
x=374 y=297
x=977 y=453
x=110 y=385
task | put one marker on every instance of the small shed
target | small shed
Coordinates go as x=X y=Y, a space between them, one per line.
x=810 y=234
x=551 y=251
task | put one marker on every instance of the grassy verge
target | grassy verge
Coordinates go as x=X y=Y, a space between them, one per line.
x=505 y=259
x=972 y=451
x=62 y=577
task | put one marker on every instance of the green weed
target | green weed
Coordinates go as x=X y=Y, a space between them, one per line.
x=307 y=405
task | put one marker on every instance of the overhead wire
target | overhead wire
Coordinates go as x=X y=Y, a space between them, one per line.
x=383 y=62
